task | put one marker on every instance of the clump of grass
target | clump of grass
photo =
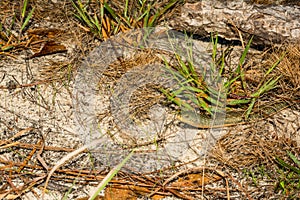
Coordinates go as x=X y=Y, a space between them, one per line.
x=257 y=175
x=103 y=20
x=285 y=177
x=197 y=94
x=8 y=41
x=289 y=179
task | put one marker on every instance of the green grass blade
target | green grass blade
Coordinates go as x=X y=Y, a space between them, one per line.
x=83 y=17
x=7 y=48
x=97 y=23
x=243 y=57
x=161 y=12
x=77 y=16
x=183 y=68
x=231 y=81
x=24 y=8
x=176 y=75
x=215 y=92
x=204 y=105
x=193 y=89
x=267 y=86
x=27 y=19
x=294 y=158
x=275 y=64
x=126 y=8
x=177 y=92
x=214 y=42
x=147 y=16
x=193 y=72
x=221 y=70
x=110 y=175
x=141 y=17
x=250 y=108
x=240 y=71
x=237 y=102
x=288 y=166
x=142 y=5
x=111 y=12
x=176 y=100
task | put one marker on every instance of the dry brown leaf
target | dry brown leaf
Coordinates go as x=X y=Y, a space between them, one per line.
x=195 y=180
x=50 y=47
x=112 y=193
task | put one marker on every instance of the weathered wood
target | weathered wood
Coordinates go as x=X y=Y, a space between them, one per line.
x=270 y=24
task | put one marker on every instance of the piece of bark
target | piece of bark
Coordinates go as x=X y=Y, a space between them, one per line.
x=270 y=24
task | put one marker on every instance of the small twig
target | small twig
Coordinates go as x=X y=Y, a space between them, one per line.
x=20 y=133
x=26 y=160
x=191 y=170
x=32 y=146
x=227 y=189
x=67 y=158
x=39 y=157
